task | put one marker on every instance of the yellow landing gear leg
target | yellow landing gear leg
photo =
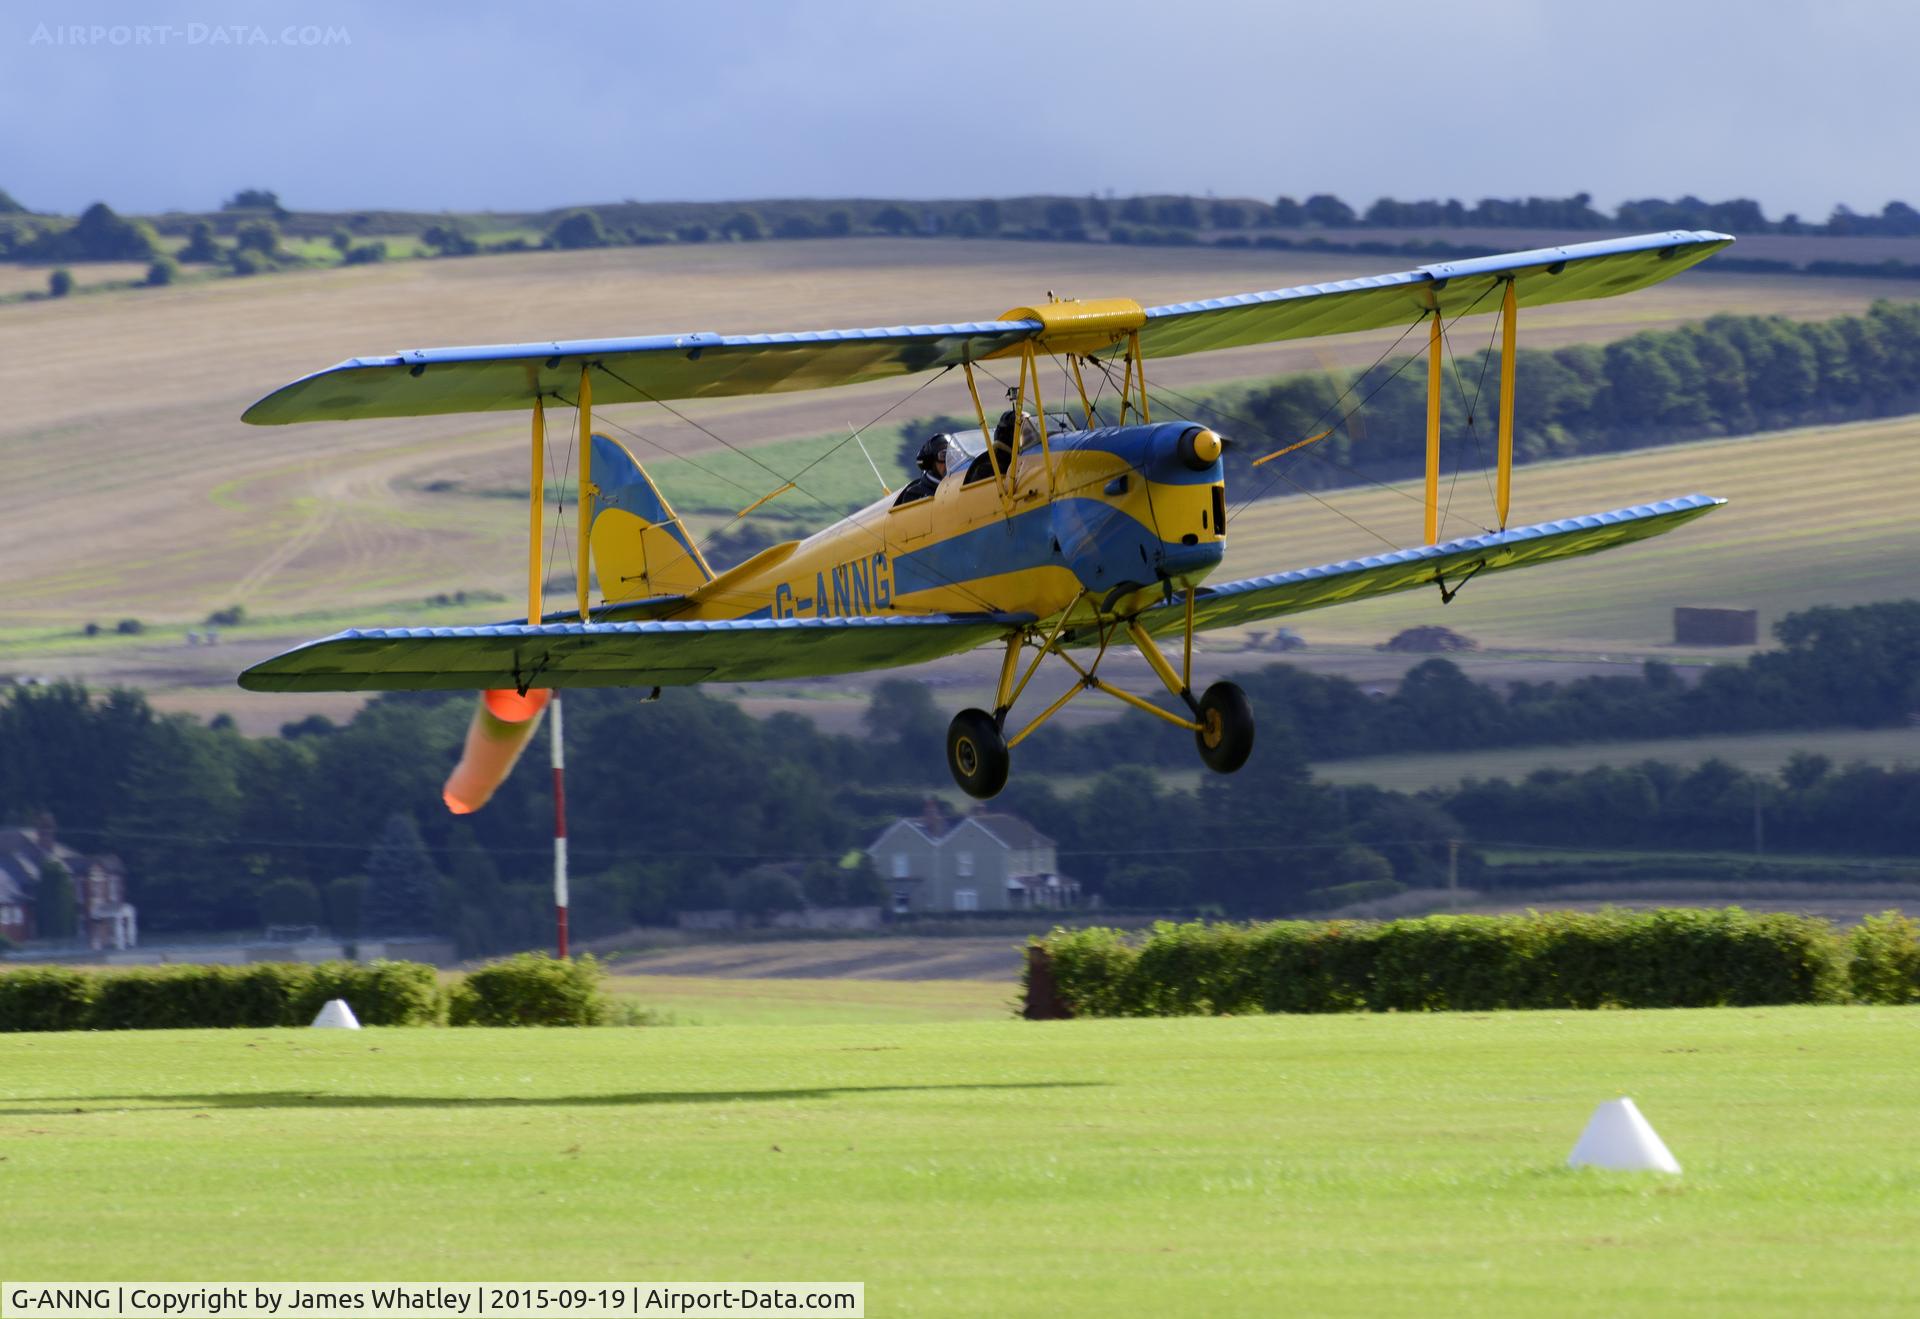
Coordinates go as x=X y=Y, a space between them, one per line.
x=1222 y=717
x=1221 y=720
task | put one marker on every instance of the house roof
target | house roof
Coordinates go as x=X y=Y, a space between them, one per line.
x=20 y=859
x=22 y=856
x=907 y=822
x=1005 y=830
x=1011 y=830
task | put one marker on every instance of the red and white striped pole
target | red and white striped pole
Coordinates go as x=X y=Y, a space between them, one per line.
x=559 y=831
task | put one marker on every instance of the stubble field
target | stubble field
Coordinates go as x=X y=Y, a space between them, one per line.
x=133 y=490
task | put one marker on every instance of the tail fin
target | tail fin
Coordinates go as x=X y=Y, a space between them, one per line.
x=641 y=549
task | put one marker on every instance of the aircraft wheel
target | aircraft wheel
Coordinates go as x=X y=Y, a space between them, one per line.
x=1225 y=736
x=977 y=753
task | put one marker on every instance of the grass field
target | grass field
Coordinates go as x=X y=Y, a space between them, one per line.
x=1338 y=1165
x=697 y=1000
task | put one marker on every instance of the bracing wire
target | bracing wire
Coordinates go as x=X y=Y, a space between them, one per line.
x=794 y=480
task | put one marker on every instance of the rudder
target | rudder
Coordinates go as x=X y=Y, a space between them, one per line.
x=641 y=549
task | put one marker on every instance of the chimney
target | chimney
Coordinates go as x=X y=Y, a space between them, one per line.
x=43 y=831
x=933 y=816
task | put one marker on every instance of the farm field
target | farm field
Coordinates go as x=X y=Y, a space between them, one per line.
x=1365 y=1165
x=131 y=400
x=1754 y=752
x=1815 y=516
x=18 y=279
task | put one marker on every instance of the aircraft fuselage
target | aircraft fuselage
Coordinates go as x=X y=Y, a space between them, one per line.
x=1117 y=517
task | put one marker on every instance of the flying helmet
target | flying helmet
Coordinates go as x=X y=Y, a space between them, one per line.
x=936 y=448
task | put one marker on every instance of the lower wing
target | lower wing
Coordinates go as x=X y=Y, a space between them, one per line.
x=642 y=654
x=1448 y=564
x=667 y=654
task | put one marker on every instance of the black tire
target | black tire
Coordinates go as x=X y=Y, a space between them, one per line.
x=1225 y=737
x=977 y=753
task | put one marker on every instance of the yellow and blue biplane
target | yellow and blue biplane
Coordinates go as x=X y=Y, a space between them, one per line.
x=1057 y=541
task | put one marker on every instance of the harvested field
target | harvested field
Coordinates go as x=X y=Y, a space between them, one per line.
x=135 y=492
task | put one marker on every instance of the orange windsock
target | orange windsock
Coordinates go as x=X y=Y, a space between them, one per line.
x=502 y=726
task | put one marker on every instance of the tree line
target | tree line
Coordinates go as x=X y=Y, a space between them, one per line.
x=689 y=803
x=1857 y=666
x=1811 y=806
x=683 y=803
x=990 y=215
x=100 y=235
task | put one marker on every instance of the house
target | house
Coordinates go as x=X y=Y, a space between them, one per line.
x=105 y=918
x=986 y=861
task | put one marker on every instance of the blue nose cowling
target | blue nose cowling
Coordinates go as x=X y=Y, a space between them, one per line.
x=1177 y=560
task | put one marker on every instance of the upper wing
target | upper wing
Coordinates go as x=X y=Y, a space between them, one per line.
x=424 y=381
x=1546 y=275
x=1359 y=579
x=647 y=654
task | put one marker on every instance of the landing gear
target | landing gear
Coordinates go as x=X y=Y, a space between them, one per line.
x=1225 y=735
x=1221 y=721
x=977 y=753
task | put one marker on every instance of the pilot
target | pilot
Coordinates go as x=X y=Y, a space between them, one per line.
x=932 y=462
x=1003 y=444
x=1003 y=435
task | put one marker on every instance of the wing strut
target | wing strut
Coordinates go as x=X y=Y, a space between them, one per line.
x=1030 y=364
x=1434 y=381
x=583 y=501
x=536 y=505
x=1503 y=479
x=1126 y=384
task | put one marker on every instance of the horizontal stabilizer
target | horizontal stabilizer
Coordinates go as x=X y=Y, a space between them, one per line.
x=1295 y=592
x=646 y=654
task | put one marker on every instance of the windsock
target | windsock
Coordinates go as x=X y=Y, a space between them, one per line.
x=500 y=731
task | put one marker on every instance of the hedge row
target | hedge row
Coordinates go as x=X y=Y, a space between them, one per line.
x=528 y=990
x=1658 y=959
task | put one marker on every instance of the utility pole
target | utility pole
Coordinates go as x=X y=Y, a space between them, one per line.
x=1453 y=871
x=1759 y=822
x=559 y=831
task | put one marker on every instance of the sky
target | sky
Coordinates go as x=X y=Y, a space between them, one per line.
x=351 y=105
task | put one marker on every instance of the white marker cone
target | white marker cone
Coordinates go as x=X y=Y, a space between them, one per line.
x=338 y=1015
x=1618 y=1137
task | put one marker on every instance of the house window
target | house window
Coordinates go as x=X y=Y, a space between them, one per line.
x=9 y=915
x=963 y=865
x=900 y=865
x=966 y=899
x=900 y=901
